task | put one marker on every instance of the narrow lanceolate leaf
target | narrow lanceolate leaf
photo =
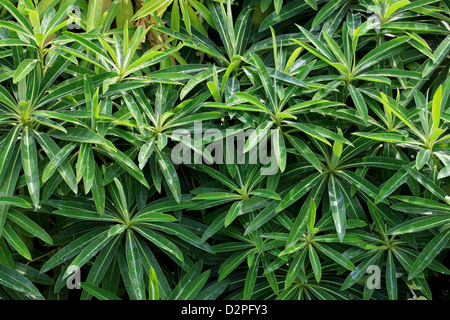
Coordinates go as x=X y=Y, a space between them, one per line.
x=315 y=263
x=79 y=135
x=99 y=293
x=292 y=249
x=296 y=267
x=88 y=252
x=24 y=68
x=153 y=290
x=70 y=250
x=16 y=242
x=134 y=265
x=418 y=224
x=94 y=14
x=326 y=11
x=335 y=256
x=14 y=201
x=305 y=151
x=391 y=277
x=299 y=190
x=52 y=149
x=279 y=149
x=153 y=217
x=29 y=225
x=394 y=182
x=300 y=224
x=361 y=269
x=359 y=102
x=103 y=262
x=30 y=167
x=57 y=160
x=232 y=263
x=194 y=287
x=145 y=152
x=266 y=194
x=218 y=196
x=233 y=212
x=161 y=242
x=98 y=191
x=8 y=186
x=436 y=108
x=7 y=149
x=422 y=157
x=384 y=51
x=265 y=79
x=12 y=279
x=250 y=279
x=427 y=183
x=428 y=253
x=127 y=165
x=192 y=273
x=337 y=205
x=134 y=110
x=170 y=174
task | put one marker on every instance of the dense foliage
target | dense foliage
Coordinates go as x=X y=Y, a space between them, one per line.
x=352 y=95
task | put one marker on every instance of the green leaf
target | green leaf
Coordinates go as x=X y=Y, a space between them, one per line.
x=360 y=104
x=161 y=242
x=250 y=279
x=335 y=256
x=315 y=263
x=10 y=278
x=29 y=225
x=94 y=14
x=218 y=196
x=153 y=290
x=70 y=250
x=194 y=287
x=418 y=224
x=232 y=263
x=265 y=79
x=24 y=68
x=326 y=11
x=16 y=242
x=127 y=165
x=30 y=167
x=299 y=190
x=337 y=204
x=381 y=52
x=233 y=212
x=153 y=217
x=428 y=253
x=14 y=201
x=170 y=175
x=99 y=293
x=392 y=184
x=7 y=150
x=57 y=160
x=422 y=157
x=361 y=269
x=134 y=264
x=266 y=194
x=305 y=151
x=436 y=108
x=295 y=268
x=279 y=149
x=391 y=277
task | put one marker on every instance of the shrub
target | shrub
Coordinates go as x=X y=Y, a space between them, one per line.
x=194 y=149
